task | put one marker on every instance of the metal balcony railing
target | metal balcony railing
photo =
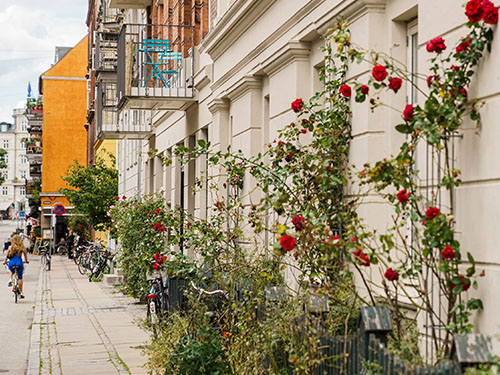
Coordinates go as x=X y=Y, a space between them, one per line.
x=126 y=124
x=155 y=66
x=106 y=52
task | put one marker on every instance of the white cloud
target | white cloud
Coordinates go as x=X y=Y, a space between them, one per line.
x=29 y=32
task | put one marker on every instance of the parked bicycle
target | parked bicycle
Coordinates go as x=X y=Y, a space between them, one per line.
x=157 y=297
x=46 y=258
x=62 y=248
x=102 y=264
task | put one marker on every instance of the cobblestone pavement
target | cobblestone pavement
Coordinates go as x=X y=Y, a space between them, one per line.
x=83 y=328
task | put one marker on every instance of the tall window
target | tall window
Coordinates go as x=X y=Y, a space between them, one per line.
x=5 y=174
x=24 y=124
x=22 y=190
x=412 y=60
x=5 y=190
x=23 y=144
x=23 y=174
x=6 y=158
x=5 y=143
x=24 y=159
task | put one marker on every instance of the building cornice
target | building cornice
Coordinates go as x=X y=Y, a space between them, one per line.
x=218 y=105
x=235 y=21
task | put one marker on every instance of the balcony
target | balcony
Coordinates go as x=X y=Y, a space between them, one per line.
x=106 y=52
x=36 y=171
x=126 y=124
x=155 y=67
x=130 y=4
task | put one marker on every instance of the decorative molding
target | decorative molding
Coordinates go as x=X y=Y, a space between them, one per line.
x=218 y=105
x=291 y=52
x=360 y=8
x=278 y=33
x=203 y=77
x=245 y=84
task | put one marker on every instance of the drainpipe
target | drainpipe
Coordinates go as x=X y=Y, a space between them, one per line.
x=139 y=161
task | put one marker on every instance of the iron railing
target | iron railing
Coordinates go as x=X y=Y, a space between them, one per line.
x=155 y=61
x=111 y=124
x=106 y=45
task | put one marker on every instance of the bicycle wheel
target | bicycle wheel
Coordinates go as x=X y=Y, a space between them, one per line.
x=62 y=250
x=43 y=261
x=15 y=289
x=82 y=267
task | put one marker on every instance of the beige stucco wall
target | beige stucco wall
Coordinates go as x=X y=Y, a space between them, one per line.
x=263 y=54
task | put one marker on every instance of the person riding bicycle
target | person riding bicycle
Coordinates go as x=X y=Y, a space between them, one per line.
x=14 y=253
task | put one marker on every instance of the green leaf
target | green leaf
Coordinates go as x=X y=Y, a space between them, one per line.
x=404 y=128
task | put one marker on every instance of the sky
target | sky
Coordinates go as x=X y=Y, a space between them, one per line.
x=29 y=32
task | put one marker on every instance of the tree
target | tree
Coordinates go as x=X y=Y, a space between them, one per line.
x=3 y=164
x=92 y=190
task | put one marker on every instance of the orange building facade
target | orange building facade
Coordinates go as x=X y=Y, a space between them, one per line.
x=64 y=88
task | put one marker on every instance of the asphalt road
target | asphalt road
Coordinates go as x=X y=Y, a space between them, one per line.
x=15 y=319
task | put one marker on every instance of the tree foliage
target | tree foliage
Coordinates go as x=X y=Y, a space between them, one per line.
x=3 y=164
x=92 y=190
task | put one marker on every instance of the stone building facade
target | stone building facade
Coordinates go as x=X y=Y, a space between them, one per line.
x=13 y=191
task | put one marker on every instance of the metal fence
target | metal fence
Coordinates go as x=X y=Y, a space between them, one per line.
x=365 y=352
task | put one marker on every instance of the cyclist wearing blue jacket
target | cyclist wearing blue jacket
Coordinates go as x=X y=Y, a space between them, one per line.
x=15 y=252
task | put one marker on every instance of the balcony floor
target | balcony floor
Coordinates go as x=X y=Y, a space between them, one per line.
x=174 y=99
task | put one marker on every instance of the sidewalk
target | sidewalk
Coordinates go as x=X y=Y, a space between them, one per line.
x=83 y=328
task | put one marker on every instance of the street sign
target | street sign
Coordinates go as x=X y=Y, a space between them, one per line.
x=59 y=210
x=22 y=214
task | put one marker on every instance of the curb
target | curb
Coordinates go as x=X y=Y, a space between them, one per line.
x=34 y=350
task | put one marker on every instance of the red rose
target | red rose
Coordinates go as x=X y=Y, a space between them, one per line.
x=391 y=275
x=363 y=258
x=455 y=68
x=297 y=105
x=403 y=196
x=345 y=90
x=158 y=210
x=303 y=131
x=117 y=198
x=463 y=92
x=124 y=197
x=448 y=252
x=490 y=15
x=395 y=83
x=287 y=242
x=299 y=222
x=379 y=73
x=474 y=10
x=365 y=261
x=432 y=78
x=364 y=89
x=465 y=283
x=408 y=112
x=432 y=212
x=464 y=45
x=436 y=45
x=156 y=266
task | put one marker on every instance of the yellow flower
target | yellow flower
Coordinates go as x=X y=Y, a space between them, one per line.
x=281 y=229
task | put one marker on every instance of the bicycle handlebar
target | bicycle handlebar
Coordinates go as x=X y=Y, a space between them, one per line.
x=203 y=291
